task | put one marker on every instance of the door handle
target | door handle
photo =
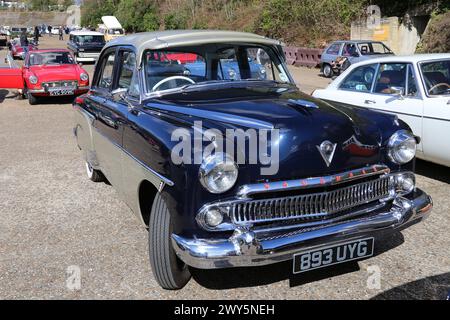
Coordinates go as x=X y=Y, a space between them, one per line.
x=369 y=101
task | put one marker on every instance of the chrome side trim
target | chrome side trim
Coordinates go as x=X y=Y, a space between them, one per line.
x=161 y=177
x=244 y=248
x=247 y=190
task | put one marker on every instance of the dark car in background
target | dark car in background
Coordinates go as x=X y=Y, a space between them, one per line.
x=353 y=50
x=343 y=177
x=86 y=45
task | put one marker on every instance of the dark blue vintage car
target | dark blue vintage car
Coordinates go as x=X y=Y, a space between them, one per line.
x=246 y=171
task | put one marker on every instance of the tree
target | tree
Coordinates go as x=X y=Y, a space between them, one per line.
x=93 y=10
x=137 y=15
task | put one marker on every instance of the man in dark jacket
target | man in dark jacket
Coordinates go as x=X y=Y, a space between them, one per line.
x=24 y=42
x=36 y=35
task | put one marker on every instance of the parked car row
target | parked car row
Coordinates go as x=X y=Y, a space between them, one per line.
x=344 y=176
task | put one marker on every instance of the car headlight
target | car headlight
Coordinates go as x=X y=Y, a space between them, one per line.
x=402 y=147
x=218 y=173
x=33 y=79
x=84 y=77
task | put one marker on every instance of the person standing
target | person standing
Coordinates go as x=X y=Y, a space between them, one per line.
x=61 y=33
x=24 y=42
x=49 y=28
x=36 y=35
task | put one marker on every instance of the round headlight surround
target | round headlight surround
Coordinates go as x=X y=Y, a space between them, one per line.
x=84 y=76
x=402 y=146
x=33 y=79
x=218 y=165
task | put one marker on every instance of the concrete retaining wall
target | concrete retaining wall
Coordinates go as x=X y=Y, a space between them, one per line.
x=26 y=19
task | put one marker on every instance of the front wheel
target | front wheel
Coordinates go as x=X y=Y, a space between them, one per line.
x=327 y=70
x=32 y=100
x=170 y=272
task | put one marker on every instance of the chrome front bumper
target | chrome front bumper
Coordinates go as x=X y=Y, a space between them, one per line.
x=43 y=90
x=244 y=249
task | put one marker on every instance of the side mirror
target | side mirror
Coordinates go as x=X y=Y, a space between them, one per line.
x=80 y=64
x=398 y=91
x=119 y=94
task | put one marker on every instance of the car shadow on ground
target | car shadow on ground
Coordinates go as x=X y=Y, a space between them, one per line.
x=433 y=171
x=55 y=100
x=222 y=279
x=6 y=94
x=435 y=287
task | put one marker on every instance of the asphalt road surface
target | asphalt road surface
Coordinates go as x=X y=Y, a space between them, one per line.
x=54 y=222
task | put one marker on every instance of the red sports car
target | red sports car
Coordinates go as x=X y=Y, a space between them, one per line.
x=17 y=50
x=50 y=72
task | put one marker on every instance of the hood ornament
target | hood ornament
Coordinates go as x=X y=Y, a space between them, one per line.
x=326 y=150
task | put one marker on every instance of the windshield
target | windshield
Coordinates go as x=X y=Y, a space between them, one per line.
x=90 y=39
x=115 y=31
x=48 y=58
x=173 y=69
x=436 y=75
x=369 y=48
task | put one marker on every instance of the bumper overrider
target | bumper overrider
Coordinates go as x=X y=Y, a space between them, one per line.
x=246 y=247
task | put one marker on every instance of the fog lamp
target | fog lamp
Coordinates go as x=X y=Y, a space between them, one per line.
x=405 y=183
x=213 y=218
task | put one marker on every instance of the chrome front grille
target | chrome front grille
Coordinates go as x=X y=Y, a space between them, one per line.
x=64 y=84
x=312 y=206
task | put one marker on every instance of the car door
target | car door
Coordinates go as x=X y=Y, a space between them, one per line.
x=395 y=91
x=11 y=76
x=109 y=118
x=435 y=78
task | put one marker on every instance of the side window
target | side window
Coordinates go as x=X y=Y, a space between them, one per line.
x=349 y=50
x=334 y=49
x=391 y=77
x=360 y=79
x=107 y=75
x=128 y=77
x=412 y=83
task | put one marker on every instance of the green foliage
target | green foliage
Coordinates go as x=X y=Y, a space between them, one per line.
x=42 y=5
x=137 y=15
x=150 y=21
x=436 y=38
x=174 y=21
x=93 y=10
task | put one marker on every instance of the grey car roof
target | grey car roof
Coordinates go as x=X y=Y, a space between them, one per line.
x=355 y=41
x=175 y=38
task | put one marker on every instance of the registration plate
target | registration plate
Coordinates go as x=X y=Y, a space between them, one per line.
x=330 y=255
x=62 y=92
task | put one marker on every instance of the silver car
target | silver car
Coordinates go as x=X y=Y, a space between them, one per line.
x=353 y=50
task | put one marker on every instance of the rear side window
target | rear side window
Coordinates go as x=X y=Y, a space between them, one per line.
x=360 y=79
x=334 y=49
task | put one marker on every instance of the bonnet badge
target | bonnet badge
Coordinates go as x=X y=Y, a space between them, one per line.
x=326 y=150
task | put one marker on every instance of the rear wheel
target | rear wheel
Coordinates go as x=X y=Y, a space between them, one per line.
x=327 y=70
x=94 y=175
x=170 y=272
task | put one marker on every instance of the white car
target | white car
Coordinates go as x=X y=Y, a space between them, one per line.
x=415 y=88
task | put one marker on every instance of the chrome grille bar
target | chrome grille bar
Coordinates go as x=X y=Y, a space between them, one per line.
x=311 y=206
